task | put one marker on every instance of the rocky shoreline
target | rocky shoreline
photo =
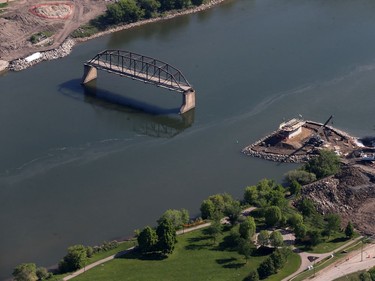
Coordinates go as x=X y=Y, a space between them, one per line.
x=66 y=47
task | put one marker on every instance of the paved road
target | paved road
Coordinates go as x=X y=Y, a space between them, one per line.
x=349 y=265
x=305 y=261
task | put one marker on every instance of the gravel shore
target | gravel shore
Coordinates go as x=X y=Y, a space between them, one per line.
x=66 y=47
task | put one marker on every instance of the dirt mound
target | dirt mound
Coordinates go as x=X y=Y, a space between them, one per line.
x=351 y=193
x=53 y=11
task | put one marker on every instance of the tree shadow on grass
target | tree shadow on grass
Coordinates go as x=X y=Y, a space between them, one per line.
x=198 y=243
x=262 y=251
x=236 y=265
x=136 y=255
x=223 y=261
x=339 y=239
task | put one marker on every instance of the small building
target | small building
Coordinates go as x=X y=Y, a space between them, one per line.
x=291 y=128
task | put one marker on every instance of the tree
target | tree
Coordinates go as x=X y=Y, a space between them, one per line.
x=214 y=230
x=295 y=219
x=349 y=230
x=245 y=248
x=124 y=11
x=333 y=224
x=314 y=237
x=280 y=257
x=149 y=7
x=233 y=211
x=301 y=176
x=295 y=188
x=147 y=240
x=216 y=204
x=263 y=238
x=300 y=231
x=177 y=217
x=327 y=163
x=25 y=272
x=180 y=4
x=266 y=268
x=253 y=276
x=42 y=273
x=74 y=260
x=306 y=207
x=251 y=195
x=276 y=239
x=365 y=276
x=207 y=209
x=167 y=237
x=247 y=228
x=273 y=215
x=167 y=5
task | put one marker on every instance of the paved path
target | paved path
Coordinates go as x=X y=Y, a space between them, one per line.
x=352 y=263
x=119 y=254
x=305 y=262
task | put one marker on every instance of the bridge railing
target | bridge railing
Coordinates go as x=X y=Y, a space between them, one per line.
x=141 y=67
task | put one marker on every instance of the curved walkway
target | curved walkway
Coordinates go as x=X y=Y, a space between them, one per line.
x=306 y=262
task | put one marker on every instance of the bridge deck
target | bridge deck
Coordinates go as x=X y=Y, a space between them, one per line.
x=144 y=77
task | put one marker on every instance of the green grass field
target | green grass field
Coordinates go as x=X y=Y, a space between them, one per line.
x=195 y=258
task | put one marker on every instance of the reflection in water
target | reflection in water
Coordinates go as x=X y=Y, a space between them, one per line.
x=145 y=119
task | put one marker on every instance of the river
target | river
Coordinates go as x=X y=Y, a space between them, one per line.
x=78 y=168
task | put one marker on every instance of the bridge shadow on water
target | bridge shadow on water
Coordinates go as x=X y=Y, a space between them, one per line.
x=146 y=118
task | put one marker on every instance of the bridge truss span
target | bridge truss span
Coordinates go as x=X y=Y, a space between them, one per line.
x=140 y=67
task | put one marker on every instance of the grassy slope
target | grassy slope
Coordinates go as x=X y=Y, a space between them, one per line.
x=195 y=258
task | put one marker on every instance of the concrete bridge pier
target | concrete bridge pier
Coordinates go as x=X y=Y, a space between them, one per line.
x=188 y=100
x=89 y=73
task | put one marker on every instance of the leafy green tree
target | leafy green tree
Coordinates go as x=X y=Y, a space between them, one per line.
x=124 y=11
x=295 y=219
x=253 y=276
x=326 y=164
x=177 y=217
x=43 y=274
x=372 y=273
x=74 y=260
x=295 y=188
x=233 y=211
x=149 y=7
x=333 y=224
x=263 y=238
x=180 y=4
x=266 y=268
x=245 y=248
x=216 y=205
x=349 y=230
x=214 y=230
x=251 y=195
x=25 y=272
x=365 y=276
x=247 y=228
x=300 y=231
x=166 y=237
x=147 y=240
x=167 y=5
x=315 y=237
x=207 y=209
x=279 y=259
x=306 y=207
x=301 y=176
x=273 y=215
x=276 y=198
x=276 y=239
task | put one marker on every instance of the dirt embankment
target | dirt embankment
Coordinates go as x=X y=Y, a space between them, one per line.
x=351 y=194
x=21 y=19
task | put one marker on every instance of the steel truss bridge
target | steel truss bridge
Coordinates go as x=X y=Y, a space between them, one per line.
x=142 y=68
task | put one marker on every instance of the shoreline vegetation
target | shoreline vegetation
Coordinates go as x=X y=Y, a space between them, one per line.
x=66 y=47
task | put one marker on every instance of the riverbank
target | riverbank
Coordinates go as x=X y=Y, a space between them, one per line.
x=66 y=47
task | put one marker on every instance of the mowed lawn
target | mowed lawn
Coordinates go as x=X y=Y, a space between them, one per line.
x=195 y=258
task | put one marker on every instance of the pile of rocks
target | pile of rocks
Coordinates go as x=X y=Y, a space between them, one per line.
x=63 y=50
